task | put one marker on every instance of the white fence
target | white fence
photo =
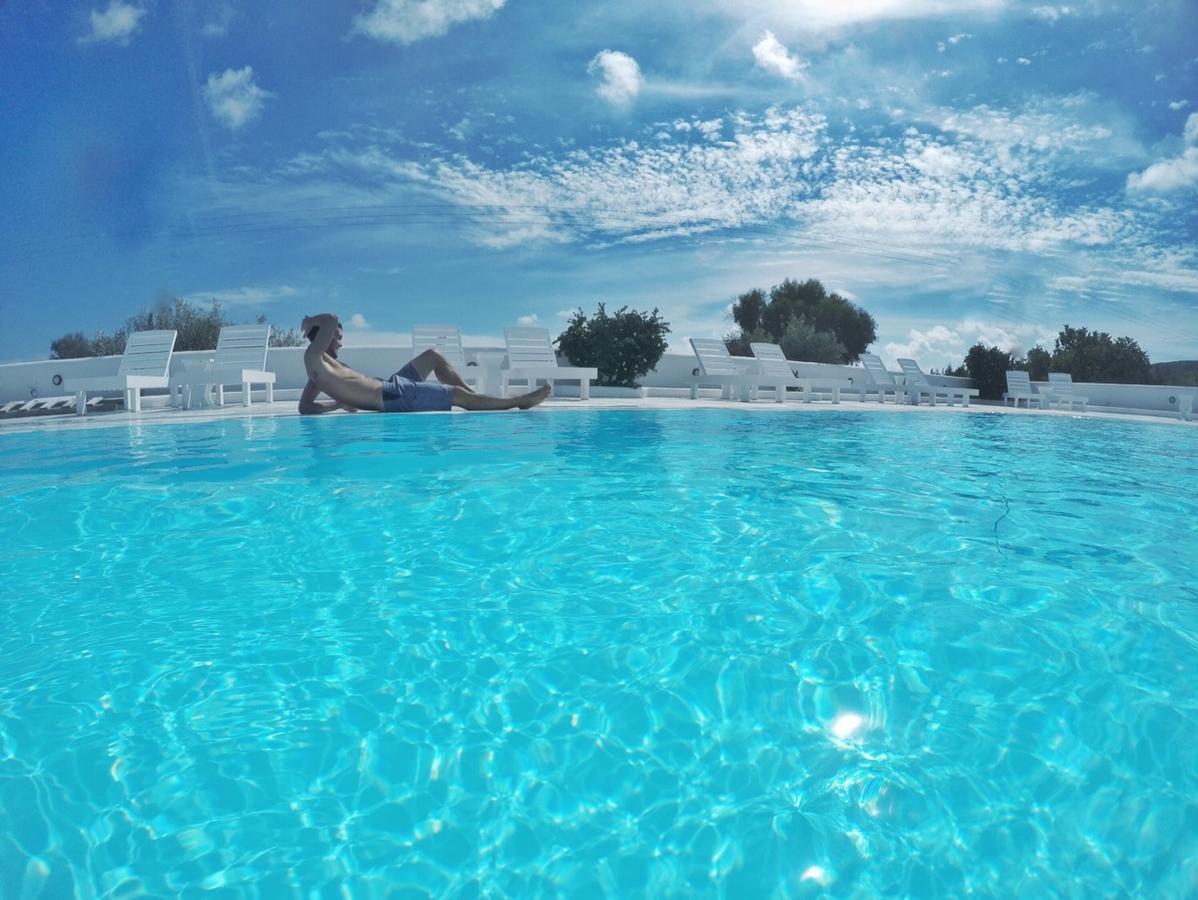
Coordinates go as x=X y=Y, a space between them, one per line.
x=26 y=380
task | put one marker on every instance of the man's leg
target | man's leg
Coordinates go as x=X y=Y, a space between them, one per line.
x=430 y=361
x=470 y=400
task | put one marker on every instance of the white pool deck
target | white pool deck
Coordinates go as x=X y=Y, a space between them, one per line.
x=65 y=422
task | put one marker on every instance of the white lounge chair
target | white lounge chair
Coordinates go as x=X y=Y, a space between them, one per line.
x=1060 y=391
x=918 y=385
x=240 y=358
x=530 y=358
x=49 y=404
x=446 y=340
x=774 y=370
x=1019 y=387
x=880 y=381
x=145 y=364
x=718 y=366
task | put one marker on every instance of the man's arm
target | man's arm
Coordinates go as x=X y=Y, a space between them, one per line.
x=310 y=406
x=326 y=332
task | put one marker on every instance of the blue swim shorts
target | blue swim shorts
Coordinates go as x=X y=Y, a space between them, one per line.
x=405 y=392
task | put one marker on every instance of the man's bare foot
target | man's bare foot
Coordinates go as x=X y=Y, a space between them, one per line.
x=532 y=398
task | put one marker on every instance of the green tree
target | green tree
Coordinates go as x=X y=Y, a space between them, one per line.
x=280 y=338
x=198 y=329
x=1095 y=356
x=623 y=346
x=1039 y=361
x=747 y=310
x=840 y=321
x=988 y=367
x=71 y=346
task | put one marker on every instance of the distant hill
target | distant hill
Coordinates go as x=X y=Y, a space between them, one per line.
x=1183 y=371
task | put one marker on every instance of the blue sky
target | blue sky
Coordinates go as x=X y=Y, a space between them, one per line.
x=964 y=169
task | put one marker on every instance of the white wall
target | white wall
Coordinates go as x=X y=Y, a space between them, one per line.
x=21 y=381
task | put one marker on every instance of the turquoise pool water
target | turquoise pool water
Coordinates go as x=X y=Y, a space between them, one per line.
x=720 y=653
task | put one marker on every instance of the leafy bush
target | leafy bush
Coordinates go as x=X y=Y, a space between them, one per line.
x=623 y=347
x=198 y=330
x=987 y=367
x=801 y=341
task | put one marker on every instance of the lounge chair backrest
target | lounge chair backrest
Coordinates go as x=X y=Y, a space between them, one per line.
x=148 y=353
x=1018 y=382
x=771 y=360
x=242 y=347
x=876 y=371
x=445 y=339
x=528 y=346
x=714 y=358
x=912 y=371
x=1060 y=382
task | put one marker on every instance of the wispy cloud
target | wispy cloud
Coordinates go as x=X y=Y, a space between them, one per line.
x=250 y=295
x=218 y=21
x=620 y=77
x=116 y=24
x=1052 y=13
x=234 y=98
x=776 y=59
x=820 y=15
x=408 y=21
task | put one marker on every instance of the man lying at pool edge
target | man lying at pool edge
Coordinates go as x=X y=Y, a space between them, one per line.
x=405 y=391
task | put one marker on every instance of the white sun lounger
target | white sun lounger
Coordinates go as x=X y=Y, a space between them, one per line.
x=530 y=358
x=240 y=358
x=719 y=367
x=880 y=380
x=918 y=385
x=1060 y=391
x=145 y=364
x=446 y=340
x=774 y=371
x=1019 y=387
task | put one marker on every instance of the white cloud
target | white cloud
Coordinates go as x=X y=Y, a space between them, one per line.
x=531 y=319
x=775 y=58
x=939 y=345
x=957 y=38
x=233 y=97
x=1179 y=104
x=1174 y=174
x=245 y=296
x=1168 y=175
x=407 y=21
x=357 y=320
x=622 y=79
x=1023 y=61
x=118 y=23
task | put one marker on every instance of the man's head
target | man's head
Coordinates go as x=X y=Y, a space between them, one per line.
x=334 y=346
